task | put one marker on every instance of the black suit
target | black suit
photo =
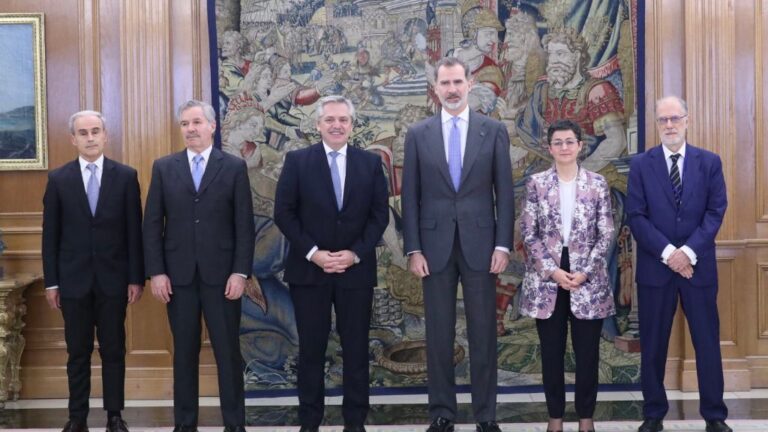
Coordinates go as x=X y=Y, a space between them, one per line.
x=307 y=213
x=198 y=239
x=93 y=259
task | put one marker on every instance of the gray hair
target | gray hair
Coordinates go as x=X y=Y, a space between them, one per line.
x=334 y=99
x=208 y=111
x=449 y=62
x=681 y=101
x=85 y=113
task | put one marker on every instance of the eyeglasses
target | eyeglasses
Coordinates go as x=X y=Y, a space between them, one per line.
x=674 y=119
x=566 y=143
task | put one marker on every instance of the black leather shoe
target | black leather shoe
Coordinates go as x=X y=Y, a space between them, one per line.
x=234 y=428
x=717 y=426
x=185 y=428
x=651 y=425
x=309 y=429
x=354 y=428
x=489 y=426
x=441 y=424
x=116 y=424
x=75 y=426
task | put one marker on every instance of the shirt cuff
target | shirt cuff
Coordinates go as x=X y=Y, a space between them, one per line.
x=357 y=258
x=52 y=287
x=311 y=252
x=691 y=254
x=503 y=249
x=666 y=253
x=242 y=275
x=413 y=252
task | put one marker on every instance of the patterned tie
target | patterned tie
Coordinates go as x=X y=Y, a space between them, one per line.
x=674 y=175
x=454 y=153
x=92 y=191
x=336 y=178
x=197 y=170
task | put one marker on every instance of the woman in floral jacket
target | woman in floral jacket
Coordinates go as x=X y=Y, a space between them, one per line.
x=567 y=229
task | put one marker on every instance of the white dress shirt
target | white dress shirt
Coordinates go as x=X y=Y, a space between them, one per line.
x=86 y=173
x=463 y=125
x=206 y=154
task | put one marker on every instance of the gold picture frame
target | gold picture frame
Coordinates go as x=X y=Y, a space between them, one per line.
x=23 y=136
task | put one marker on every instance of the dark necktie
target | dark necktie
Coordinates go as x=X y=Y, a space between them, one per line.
x=674 y=175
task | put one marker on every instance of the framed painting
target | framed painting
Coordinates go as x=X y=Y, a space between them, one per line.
x=23 y=141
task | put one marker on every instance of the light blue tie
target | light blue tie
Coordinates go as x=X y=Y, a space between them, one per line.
x=197 y=170
x=454 y=153
x=92 y=190
x=336 y=178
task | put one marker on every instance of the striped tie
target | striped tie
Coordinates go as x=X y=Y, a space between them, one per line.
x=674 y=175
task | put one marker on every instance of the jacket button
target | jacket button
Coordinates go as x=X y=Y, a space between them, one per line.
x=197 y=199
x=197 y=220
x=679 y=219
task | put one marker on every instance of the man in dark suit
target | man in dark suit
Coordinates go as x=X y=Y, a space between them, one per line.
x=676 y=201
x=198 y=244
x=93 y=265
x=331 y=205
x=458 y=217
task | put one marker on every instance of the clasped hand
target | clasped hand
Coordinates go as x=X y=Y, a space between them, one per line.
x=680 y=263
x=333 y=262
x=569 y=281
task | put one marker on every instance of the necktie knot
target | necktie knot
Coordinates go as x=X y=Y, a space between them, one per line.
x=197 y=159
x=455 y=120
x=675 y=157
x=334 y=154
x=92 y=168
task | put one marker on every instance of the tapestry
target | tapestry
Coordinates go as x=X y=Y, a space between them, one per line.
x=276 y=58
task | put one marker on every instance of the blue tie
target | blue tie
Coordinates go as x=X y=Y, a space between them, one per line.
x=336 y=178
x=454 y=153
x=92 y=191
x=197 y=170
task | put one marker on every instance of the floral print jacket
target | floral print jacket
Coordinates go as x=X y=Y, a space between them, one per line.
x=591 y=236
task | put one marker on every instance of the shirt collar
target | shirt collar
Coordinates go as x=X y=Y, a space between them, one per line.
x=98 y=162
x=446 y=117
x=328 y=149
x=668 y=153
x=205 y=153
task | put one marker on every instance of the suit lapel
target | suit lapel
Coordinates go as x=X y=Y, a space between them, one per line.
x=107 y=179
x=212 y=168
x=691 y=170
x=183 y=171
x=75 y=178
x=553 y=198
x=352 y=165
x=436 y=145
x=582 y=188
x=475 y=139
x=320 y=160
x=662 y=172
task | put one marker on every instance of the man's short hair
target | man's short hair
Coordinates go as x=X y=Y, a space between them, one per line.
x=450 y=62
x=85 y=113
x=208 y=111
x=563 y=125
x=333 y=99
x=681 y=101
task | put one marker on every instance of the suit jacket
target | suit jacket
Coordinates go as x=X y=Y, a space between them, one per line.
x=79 y=248
x=211 y=230
x=307 y=214
x=590 y=238
x=483 y=208
x=657 y=221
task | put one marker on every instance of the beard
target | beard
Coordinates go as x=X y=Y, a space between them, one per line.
x=558 y=74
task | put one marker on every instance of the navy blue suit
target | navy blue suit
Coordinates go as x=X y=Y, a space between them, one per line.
x=656 y=221
x=307 y=213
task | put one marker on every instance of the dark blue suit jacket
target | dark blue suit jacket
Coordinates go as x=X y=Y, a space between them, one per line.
x=307 y=214
x=79 y=248
x=656 y=220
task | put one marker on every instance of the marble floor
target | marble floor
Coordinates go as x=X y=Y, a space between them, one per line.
x=518 y=412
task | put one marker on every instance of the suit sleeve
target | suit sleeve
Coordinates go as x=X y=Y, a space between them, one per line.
x=504 y=190
x=133 y=230
x=703 y=237
x=154 y=225
x=245 y=230
x=287 y=207
x=410 y=195
x=648 y=237
x=51 y=233
x=605 y=229
x=378 y=214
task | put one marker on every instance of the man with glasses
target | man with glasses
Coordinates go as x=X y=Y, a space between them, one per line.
x=676 y=201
